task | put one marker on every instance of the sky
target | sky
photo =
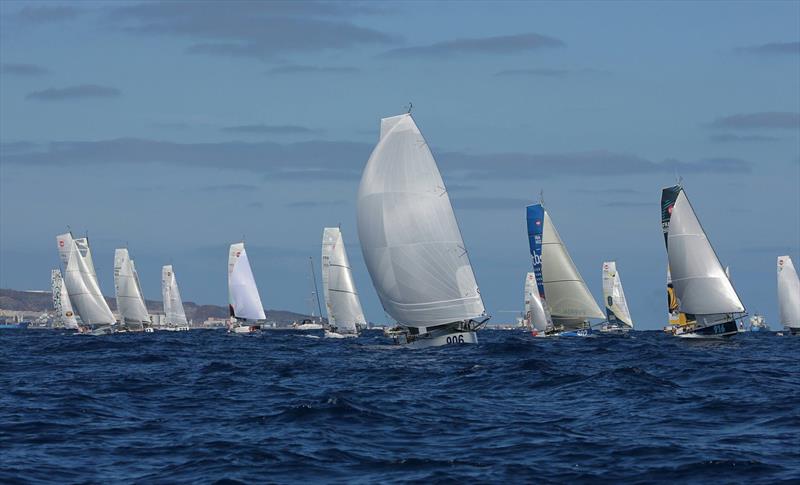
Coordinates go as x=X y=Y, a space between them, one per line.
x=179 y=128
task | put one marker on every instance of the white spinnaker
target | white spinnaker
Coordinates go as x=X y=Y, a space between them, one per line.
x=613 y=295
x=409 y=235
x=130 y=302
x=61 y=303
x=242 y=291
x=81 y=283
x=788 y=293
x=338 y=286
x=173 y=305
x=699 y=280
x=564 y=289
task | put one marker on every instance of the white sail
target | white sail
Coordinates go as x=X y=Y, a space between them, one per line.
x=699 y=280
x=242 y=291
x=565 y=291
x=535 y=312
x=86 y=252
x=788 y=293
x=338 y=286
x=173 y=305
x=614 y=297
x=61 y=303
x=130 y=302
x=409 y=235
x=530 y=288
x=81 y=282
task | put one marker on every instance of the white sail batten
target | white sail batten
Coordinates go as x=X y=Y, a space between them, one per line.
x=338 y=286
x=409 y=234
x=242 y=291
x=699 y=280
x=788 y=293
x=130 y=301
x=566 y=292
x=173 y=305
x=614 y=296
x=61 y=303
x=81 y=283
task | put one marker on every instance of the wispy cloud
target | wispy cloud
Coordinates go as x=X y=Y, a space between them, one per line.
x=261 y=129
x=21 y=69
x=305 y=69
x=767 y=119
x=498 y=45
x=259 y=30
x=75 y=92
x=734 y=138
x=48 y=13
x=772 y=48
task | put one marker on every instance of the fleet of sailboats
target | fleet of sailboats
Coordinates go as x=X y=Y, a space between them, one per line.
x=345 y=316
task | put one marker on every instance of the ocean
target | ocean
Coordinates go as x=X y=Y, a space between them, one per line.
x=283 y=407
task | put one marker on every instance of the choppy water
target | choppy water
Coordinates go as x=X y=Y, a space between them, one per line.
x=203 y=406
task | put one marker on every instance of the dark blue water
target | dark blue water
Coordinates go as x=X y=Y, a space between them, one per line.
x=203 y=406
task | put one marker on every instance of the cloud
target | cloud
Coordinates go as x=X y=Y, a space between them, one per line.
x=488 y=203
x=498 y=45
x=75 y=92
x=21 y=69
x=304 y=69
x=752 y=121
x=772 y=48
x=261 y=129
x=44 y=14
x=260 y=30
x=546 y=72
x=305 y=204
x=734 y=138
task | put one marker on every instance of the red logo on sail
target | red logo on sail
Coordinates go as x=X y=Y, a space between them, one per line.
x=61 y=243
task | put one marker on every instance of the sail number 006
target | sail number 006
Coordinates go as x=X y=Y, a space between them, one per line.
x=455 y=339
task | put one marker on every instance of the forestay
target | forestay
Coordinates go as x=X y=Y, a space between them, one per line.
x=338 y=286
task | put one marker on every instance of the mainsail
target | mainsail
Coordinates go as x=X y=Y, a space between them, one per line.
x=173 y=305
x=130 y=301
x=243 y=300
x=788 y=293
x=409 y=235
x=616 y=306
x=81 y=282
x=61 y=303
x=561 y=287
x=341 y=298
x=698 y=278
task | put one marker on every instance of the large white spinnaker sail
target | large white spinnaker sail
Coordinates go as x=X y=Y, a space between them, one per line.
x=788 y=294
x=130 y=301
x=174 y=313
x=61 y=303
x=561 y=286
x=617 y=311
x=409 y=235
x=81 y=282
x=243 y=299
x=341 y=298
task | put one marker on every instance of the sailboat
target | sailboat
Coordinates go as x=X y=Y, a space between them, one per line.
x=701 y=288
x=81 y=283
x=244 y=303
x=65 y=317
x=412 y=244
x=618 y=317
x=788 y=295
x=174 y=314
x=132 y=310
x=345 y=316
x=561 y=287
x=537 y=318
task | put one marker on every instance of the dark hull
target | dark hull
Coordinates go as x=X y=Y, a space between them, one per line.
x=725 y=329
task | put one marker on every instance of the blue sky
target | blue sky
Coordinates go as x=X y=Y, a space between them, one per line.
x=178 y=128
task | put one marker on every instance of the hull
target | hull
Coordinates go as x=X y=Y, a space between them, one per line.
x=245 y=329
x=614 y=330
x=452 y=338
x=14 y=326
x=339 y=335
x=792 y=330
x=583 y=332
x=724 y=329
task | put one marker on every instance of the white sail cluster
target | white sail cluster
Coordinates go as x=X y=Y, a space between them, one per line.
x=614 y=296
x=409 y=235
x=61 y=302
x=341 y=298
x=130 y=299
x=243 y=298
x=80 y=281
x=174 y=313
x=788 y=293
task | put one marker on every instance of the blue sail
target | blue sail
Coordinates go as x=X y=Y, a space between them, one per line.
x=535 y=229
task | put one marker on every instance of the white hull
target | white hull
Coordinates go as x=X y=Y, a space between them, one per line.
x=308 y=326
x=244 y=329
x=455 y=338
x=339 y=335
